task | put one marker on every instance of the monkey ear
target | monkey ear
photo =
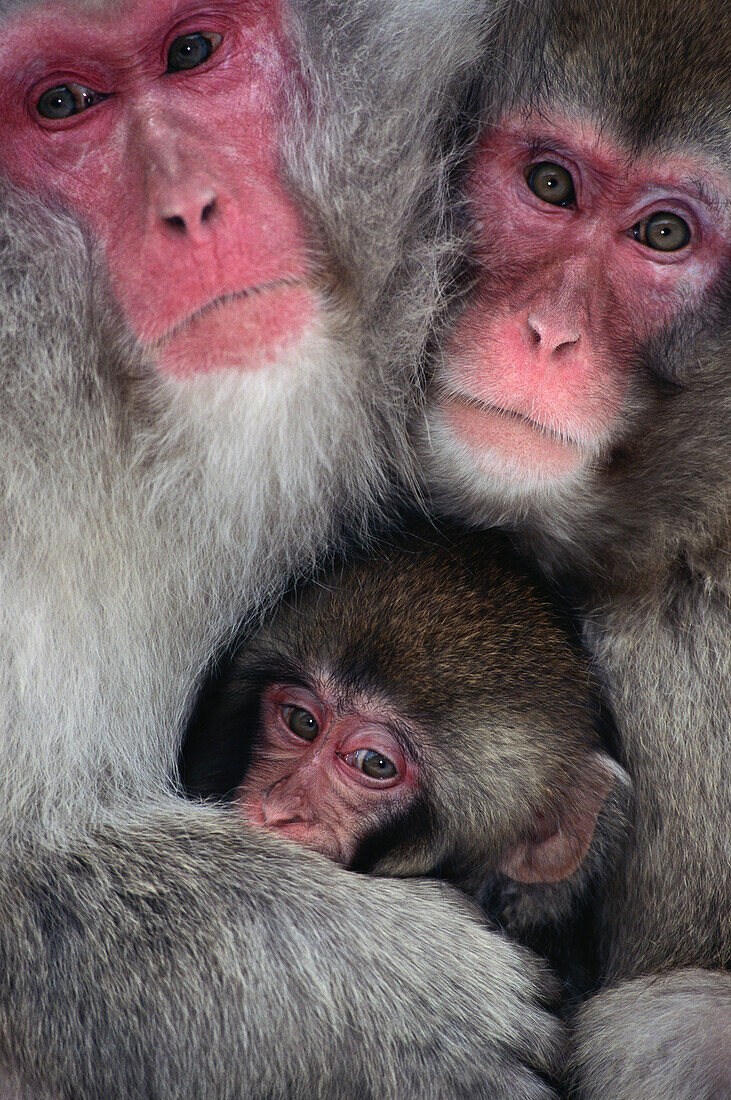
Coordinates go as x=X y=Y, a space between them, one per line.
x=559 y=840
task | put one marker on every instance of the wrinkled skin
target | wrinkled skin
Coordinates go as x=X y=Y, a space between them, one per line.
x=145 y=167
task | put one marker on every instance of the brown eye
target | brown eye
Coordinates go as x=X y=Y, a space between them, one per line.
x=191 y=50
x=663 y=232
x=67 y=100
x=551 y=183
x=301 y=722
x=372 y=764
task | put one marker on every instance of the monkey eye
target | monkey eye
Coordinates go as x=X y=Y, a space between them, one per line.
x=190 y=50
x=66 y=100
x=551 y=183
x=301 y=722
x=663 y=232
x=372 y=763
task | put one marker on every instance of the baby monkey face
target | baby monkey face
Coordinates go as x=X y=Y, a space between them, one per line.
x=325 y=774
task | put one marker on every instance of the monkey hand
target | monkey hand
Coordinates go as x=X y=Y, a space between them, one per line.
x=655 y=1037
x=180 y=958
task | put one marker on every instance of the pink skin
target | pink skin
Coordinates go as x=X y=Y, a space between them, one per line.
x=176 y=173
x=539 y=361
x=312 y=792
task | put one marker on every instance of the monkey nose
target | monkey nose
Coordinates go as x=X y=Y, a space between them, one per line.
x=279 y=812
x=551 y=335
x=186 y=214
x=275 y=815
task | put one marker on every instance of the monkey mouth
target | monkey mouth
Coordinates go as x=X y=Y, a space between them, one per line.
x=511 y=437
x=242 y=330
x=488 y=408
x=221 y=302
x=311 y=836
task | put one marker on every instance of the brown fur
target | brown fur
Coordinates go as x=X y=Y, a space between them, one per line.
x=451 y=632
x=642 y=539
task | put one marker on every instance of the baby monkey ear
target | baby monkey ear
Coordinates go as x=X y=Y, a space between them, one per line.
x=559 y=839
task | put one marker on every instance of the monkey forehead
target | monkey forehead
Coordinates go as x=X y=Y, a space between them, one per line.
x=658 y=74
x=109 y=11
x=122 y=29
x=103 y=14
x=11 y=8
x=440 y=623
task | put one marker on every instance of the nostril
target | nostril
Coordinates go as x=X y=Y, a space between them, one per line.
x=180 y=223
x=552 y=336
x=176 y=222
x=566 y=345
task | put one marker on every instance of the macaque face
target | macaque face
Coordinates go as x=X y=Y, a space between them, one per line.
x=322 y=775
x=158 y=122
x=329 y=776
x=583 y=255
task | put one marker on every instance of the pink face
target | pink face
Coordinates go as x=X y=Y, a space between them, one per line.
x=582 y=256
x=158 y=123
x=322 y=778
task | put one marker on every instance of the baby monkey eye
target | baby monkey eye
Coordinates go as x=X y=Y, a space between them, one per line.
x=551 y=183
x=662 y=232
x=191 y=50
x=66 y=100
x=372 y=764
x=301 y=722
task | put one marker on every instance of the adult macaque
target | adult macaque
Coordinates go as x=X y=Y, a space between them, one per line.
x=425 y=712
x=252 y=178
x=583 y=401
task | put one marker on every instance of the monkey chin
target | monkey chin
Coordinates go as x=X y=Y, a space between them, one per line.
x=241 y=332
x=315 y=838
x=501 y=470
x=238 y=423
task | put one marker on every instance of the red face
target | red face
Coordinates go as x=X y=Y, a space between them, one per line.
x=582 y=256
x=321 y=777
x=159 y=124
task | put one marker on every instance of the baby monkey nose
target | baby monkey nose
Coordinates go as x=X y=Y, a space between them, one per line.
x=282 y=805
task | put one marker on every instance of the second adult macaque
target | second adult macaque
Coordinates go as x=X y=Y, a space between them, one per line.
x=425 y=712
x=581 y=398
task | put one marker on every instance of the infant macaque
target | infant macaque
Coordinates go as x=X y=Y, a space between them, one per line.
x=426 y=711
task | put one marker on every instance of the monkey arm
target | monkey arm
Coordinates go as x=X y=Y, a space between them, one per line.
x=668 y=1033
x=175 y=958
x=667 y=669
x=655 y=1037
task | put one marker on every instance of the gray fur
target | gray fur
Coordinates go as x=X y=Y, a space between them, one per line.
x=147 y=950
x=656 y=1037
x=190 y=961
x=642 y=539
